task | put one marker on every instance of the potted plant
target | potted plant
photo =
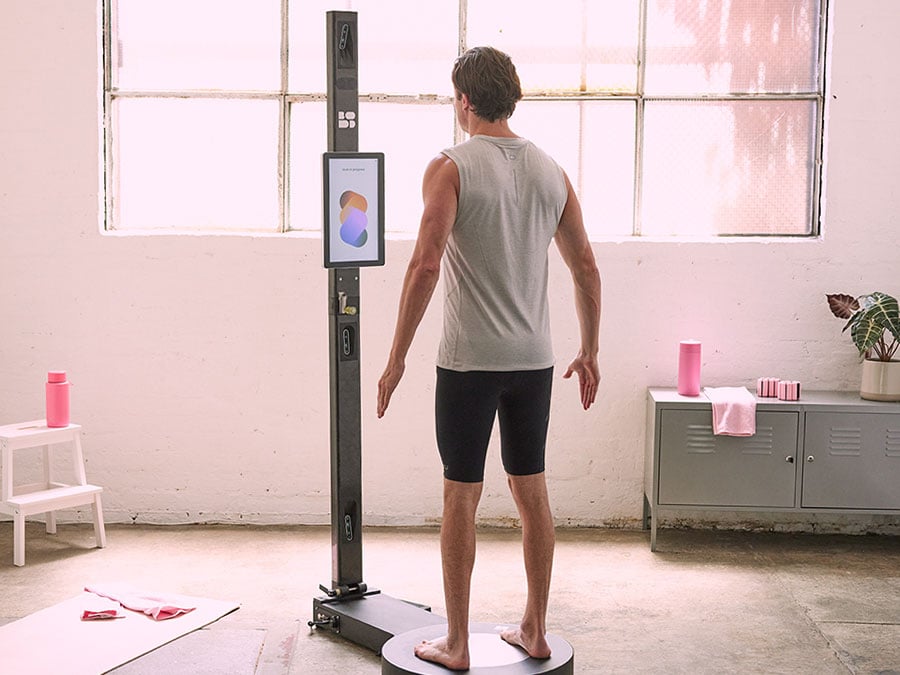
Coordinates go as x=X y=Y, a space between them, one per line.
x=874 y=323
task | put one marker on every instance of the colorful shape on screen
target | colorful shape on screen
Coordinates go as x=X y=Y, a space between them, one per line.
x=354 y=219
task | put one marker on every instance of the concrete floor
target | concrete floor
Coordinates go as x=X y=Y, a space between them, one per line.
x=706 y=602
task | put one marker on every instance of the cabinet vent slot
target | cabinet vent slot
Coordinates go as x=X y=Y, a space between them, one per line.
x=892 y=443
x=699 y=439
x=760 y=443
x=845 y=442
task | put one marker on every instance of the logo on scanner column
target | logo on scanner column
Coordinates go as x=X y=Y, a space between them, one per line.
x=346 y=120
x=353 y=219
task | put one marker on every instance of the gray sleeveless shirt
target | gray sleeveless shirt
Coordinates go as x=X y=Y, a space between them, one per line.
x=496 y=314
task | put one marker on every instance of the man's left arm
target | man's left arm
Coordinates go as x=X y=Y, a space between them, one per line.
x=575 y=249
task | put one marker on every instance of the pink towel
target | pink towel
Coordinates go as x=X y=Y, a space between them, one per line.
x=733 y=410
x=158 y=606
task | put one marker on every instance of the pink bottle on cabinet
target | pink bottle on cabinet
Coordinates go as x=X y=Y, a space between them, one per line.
x=689 y=368
x=57 y=399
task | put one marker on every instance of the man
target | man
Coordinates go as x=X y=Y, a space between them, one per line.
x=492 y=205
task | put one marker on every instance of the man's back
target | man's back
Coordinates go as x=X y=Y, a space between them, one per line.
x=511 y=197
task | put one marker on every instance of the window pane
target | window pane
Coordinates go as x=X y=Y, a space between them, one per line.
x=742 y=46
x=198 y=44
x=593 y=141
x=576 y=46
x=410 y=135
x=607 y=185
x=306 y=70
x=405 y=46
x=196 y=164
x=739 y=167
x=308 y=142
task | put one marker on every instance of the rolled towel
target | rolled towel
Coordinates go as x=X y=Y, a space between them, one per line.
x=733 y=410
x=102 y=608
x=767 y=387
x=789 y=390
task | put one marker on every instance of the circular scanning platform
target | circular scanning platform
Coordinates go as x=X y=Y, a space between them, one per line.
x=488 y=653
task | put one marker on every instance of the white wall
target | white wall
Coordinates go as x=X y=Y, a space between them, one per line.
x=200 y=362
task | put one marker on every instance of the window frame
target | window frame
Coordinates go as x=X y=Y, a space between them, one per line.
x=286 y=99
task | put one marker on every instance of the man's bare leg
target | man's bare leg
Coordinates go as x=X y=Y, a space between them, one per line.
x=538 y=541
x=457 y=561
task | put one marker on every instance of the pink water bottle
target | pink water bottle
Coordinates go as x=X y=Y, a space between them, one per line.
x=57 y=399
x=689 y=368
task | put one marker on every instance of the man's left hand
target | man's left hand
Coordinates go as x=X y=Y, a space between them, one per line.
x=588 y=377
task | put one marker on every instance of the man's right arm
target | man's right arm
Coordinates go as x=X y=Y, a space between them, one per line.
x=440 y=193
x=575 y=249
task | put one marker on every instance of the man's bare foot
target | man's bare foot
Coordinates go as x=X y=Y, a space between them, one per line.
x=536 y=647
x=438 y=652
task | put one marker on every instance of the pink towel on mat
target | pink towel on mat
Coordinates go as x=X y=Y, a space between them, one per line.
x=733 y=410
x=156 y=605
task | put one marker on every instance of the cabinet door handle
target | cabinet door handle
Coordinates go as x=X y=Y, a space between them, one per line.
x=789 y=459
x=811 y=459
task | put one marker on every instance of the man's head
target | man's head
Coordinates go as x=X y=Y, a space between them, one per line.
x=488 y=77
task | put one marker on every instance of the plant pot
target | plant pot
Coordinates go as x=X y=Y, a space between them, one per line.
x=880 y=381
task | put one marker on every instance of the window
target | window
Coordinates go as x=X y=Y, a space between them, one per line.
x=686 y=118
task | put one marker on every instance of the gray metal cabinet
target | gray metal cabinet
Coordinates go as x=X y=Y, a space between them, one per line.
x=697 y=467
x=829 y=452
x=851 y=461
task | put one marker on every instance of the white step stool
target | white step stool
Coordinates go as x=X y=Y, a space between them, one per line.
x=47 y=496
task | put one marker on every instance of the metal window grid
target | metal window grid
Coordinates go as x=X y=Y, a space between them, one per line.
x=286 y=98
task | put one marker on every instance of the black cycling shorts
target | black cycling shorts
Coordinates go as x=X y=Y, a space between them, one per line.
x=465 y=406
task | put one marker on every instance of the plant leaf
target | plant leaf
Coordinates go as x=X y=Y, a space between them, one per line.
x=842 y=306
x=865 y=333
x=885 y=310
x=880 y=312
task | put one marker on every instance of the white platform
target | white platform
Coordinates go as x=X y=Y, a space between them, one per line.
x=488 y=653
